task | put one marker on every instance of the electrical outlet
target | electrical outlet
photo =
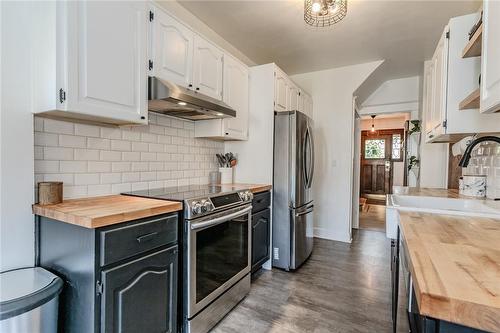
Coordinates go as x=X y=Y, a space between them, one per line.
x=276 y=253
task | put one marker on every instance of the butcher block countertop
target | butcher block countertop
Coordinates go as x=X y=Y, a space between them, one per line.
x=455 y=265
x=103 y=211
x=431 y=192
x=255 y=188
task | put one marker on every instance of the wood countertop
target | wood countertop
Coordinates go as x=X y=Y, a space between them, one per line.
x=255 y=188
x=455 y=265
x=107 y=210
x=431 y=192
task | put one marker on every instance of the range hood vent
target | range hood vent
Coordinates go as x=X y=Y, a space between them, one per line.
x=176 y=101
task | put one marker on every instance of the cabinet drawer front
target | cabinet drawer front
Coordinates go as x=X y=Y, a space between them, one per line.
x=141 y=295
x=261 y=228
x=261 y=201
x=130 y=240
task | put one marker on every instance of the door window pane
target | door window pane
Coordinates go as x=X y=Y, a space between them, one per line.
x=374 y=148
x=396 y=146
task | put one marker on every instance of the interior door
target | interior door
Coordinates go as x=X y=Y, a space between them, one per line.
x=148 y=284
x=207 y=72
x=172 y=49
x=376 y=164
x=106 y=50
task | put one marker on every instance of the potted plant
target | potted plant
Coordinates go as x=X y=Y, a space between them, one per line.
x=415 y=128
x=413 y=163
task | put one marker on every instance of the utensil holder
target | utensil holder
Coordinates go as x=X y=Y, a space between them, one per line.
x=226 y=175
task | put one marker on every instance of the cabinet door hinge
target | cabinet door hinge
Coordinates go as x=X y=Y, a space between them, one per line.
x=99 y=288
x=445 y=122
x=448 y=34
x=150 y=64
x=62 y=96
x=151 y=16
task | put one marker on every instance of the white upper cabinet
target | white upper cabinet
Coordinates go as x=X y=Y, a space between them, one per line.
x=172 y=48
x=440 y=66
x=235 y=87
x=449 y=79
x=236 y=96
x=101 y=61
x=293 y=95
x=490 y=57
x=281 y=91
x=308 y=104
x=207 y=71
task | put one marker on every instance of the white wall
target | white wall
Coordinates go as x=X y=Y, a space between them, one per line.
x=332 y=92
x=16 y=136
x=399 y=95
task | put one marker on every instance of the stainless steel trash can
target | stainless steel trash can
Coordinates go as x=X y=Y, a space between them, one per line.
x=29 y=300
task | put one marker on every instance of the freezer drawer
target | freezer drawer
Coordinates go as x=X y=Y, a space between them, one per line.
x=302 y=235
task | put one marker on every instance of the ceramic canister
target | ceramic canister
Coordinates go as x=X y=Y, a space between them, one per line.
x=473 y=186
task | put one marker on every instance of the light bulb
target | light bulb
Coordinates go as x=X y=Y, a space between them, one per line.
x=373 y=128
x=316 y=7
x=181 y=103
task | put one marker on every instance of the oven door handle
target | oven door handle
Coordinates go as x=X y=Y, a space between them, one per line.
x=221 y=219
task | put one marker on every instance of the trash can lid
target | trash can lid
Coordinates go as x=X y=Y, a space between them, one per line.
x=22 y=290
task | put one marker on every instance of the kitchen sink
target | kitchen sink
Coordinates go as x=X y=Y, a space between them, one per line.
x=437 y=205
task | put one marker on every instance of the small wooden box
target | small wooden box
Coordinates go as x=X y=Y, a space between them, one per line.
x=50 y=193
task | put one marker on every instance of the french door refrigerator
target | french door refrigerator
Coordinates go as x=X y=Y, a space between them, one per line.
x=292 y=195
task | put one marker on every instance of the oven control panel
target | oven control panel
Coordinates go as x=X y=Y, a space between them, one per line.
x=202 y=206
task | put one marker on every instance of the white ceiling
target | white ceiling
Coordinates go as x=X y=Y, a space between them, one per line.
x=404 y=33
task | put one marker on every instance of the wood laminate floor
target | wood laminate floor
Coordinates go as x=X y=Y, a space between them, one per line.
x=372 y=218
x=341 y=288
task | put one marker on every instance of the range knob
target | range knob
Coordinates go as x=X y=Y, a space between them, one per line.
x=206 y=206
x=196 y=208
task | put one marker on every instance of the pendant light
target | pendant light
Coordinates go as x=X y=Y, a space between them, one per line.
x=324 y=13
x=373 y=123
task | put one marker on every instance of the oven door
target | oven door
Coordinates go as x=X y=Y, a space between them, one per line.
x=219 y=255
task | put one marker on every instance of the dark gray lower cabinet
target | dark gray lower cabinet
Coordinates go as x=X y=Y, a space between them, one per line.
x=261 y=230
x=139 y=296
x=121 y=278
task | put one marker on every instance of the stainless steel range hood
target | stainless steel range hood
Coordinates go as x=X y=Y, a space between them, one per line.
x=176 y=101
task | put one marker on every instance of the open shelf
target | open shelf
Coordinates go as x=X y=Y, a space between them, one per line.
x=473 y=47
x=471 y=101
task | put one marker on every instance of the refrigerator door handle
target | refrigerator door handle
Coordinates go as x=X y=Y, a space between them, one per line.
x=304 y=158
x=311 y=173
x=309 y=210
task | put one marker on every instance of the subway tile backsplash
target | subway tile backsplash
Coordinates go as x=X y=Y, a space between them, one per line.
x=95 y=160
x=485 y=160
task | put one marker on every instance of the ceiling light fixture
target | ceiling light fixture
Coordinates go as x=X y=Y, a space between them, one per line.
x=373 y=123
x=324 y=13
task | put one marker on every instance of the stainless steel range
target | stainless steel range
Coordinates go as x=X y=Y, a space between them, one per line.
x=217 y=250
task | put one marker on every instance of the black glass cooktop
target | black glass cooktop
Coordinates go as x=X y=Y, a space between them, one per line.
x=181 y=193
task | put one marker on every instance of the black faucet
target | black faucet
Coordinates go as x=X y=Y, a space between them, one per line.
x=464 y=162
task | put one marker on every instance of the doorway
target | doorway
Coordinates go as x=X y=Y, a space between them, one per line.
x=381 y=152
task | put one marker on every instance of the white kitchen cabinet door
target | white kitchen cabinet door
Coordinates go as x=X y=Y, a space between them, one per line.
x=236 y=96
x=308 y=104
x=102 y=54
x=281 y=90
x=207 y=68
x=300 y=101
x=172 y=49
x=428 y=99
x=440 y=80
x=293 y=95
x=490 y=57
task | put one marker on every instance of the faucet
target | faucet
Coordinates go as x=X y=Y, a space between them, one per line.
x=464 y=162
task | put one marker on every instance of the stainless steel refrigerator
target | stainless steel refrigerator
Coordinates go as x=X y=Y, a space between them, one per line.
x=293 y=203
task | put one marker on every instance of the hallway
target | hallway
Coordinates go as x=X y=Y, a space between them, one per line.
x=341 y=288
x=372 y=217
